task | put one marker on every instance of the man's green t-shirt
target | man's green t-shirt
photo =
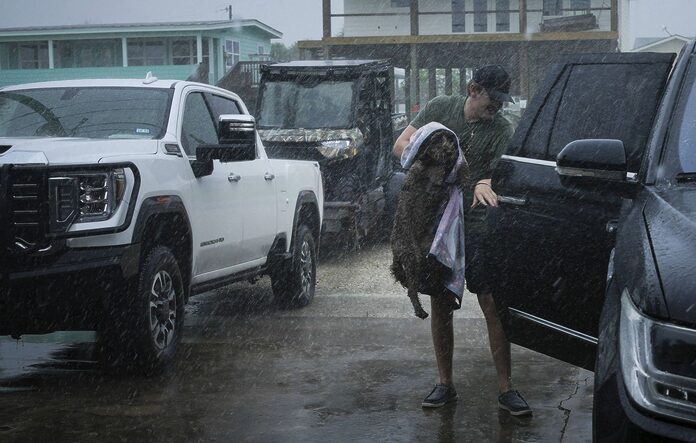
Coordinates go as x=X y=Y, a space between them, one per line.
x=482 y=142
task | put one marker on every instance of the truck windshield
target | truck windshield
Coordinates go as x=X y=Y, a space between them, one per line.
x=92 y=112
x=311 y=106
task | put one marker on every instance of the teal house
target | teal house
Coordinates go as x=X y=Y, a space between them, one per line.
x=169 y=50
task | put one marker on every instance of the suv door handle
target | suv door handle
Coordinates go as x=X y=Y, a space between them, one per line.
x=516 y=201
x=268 y=176
x=234 y=177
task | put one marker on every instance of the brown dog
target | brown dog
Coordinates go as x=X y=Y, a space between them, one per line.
x=421 y=201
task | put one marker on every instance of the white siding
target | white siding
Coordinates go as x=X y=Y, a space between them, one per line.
x=442 y=23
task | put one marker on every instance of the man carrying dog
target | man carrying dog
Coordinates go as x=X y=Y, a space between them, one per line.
x=483 y=135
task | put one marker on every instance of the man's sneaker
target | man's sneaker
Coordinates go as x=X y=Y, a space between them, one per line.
x=513 y=402
x=440 y=395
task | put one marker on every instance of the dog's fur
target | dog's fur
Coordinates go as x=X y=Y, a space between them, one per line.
x=422 y=198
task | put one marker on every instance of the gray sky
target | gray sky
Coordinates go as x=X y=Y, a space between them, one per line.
x=296 y=19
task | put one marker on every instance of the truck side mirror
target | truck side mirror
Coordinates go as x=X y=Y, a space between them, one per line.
x=236 y=140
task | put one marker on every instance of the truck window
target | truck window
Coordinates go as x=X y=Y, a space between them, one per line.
x=222 y=105
x=198 y=127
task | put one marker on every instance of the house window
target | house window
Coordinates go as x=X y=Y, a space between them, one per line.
x=146 y=52
x=553 y=7
x=87 y=53
x=32 y=55
x=400 y=3
x=261 y=49
x=231 y=53
x=480 y=15
x=184 y=52
x=502 y=16
x=581 y=5
x=458 y=16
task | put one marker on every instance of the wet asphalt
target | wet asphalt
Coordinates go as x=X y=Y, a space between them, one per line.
x=353 y=366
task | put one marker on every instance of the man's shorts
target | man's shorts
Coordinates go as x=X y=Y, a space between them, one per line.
x=477 y=249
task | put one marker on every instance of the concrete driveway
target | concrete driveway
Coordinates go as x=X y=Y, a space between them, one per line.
x=353 y=366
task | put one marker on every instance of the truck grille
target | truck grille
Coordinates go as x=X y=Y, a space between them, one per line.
x=25 y=201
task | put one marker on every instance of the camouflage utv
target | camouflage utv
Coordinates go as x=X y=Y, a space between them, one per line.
x=339 y=113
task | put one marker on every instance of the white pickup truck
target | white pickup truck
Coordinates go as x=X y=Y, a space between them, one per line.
x=121 y=198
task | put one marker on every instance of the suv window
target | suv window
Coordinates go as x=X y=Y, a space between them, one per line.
x=198 y=127
x=538 y=136
x=596 y=100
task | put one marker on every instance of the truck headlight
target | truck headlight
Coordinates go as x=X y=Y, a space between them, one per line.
x=338 y=149
x=81 y=197
x=658 y=363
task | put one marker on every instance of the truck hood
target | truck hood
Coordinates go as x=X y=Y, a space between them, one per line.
x=314 y=136
x=53 y=151
x=671 y=221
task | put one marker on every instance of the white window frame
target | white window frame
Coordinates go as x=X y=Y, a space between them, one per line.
x=232 y=57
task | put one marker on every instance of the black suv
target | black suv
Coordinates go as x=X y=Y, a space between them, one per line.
x=596 y=235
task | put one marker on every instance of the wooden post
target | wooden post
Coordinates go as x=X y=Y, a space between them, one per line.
x=615 y=15
x=407 y=92
x=414 y=17
x=326 y=13
x=432 y=83
x=448 y=81
x=413 y=79
x=523 y=16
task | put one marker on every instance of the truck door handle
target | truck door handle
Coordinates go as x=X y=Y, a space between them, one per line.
x=234 y=177
x=516 y=201
x=268 y=176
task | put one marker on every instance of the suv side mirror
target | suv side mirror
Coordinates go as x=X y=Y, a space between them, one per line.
x=599 y=159
x=236 y=140
x=594 y=163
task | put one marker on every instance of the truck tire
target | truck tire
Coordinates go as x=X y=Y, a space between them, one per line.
x=294 y=282
x=145 y=330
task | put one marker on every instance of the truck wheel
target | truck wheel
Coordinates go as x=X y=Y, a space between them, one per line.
x=294 y=283
x=146 y=327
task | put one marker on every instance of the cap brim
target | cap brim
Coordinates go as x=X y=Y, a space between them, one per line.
x=500 y=96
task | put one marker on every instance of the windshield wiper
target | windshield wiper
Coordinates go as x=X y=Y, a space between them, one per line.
x=686 y=177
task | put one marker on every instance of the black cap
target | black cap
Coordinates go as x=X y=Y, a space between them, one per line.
x=495 y=80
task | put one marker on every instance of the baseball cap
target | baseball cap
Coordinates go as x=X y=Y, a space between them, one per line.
x=495 y=80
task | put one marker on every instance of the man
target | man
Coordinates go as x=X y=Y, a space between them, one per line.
x=483 y=135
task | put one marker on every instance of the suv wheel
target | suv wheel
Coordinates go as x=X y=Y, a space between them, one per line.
x=146 y=327
x=294 y=283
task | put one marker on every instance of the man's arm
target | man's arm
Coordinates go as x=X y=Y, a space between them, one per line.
x=403 y=141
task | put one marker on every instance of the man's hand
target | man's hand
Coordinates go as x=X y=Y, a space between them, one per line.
x=483 y=194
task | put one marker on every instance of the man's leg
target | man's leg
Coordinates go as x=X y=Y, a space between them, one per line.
x=443 y=342
x=500 y=346
x=509 y=399
x=443 y=338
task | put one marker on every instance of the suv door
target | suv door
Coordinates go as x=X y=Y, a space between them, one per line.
x=256 y=187
x=552 y=243
x=216 y=198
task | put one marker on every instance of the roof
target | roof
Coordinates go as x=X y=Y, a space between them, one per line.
x=127 y=28
x=324 y=63
x=643 y=43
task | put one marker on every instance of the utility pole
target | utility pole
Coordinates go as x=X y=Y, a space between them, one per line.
x=229 y=11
